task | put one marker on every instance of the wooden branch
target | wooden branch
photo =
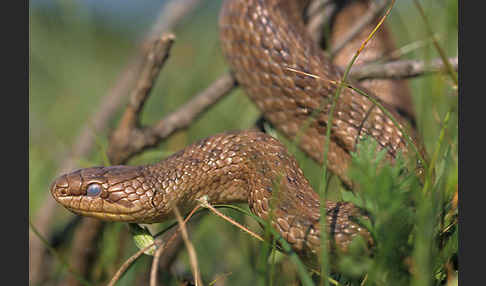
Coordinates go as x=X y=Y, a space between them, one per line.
x=156 y=56
x=171 y=15
x=129 y=139
x=401 y=69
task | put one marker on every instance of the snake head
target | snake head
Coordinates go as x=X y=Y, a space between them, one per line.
x=109 y=193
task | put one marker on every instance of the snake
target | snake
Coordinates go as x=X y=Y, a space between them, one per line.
x=264 y=42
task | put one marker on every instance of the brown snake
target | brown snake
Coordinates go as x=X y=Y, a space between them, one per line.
x=264 y=42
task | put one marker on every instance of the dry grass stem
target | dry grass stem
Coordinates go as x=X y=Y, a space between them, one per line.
x=204 y=203
x=158 y=253
x=128 y=263
x=190 y=249
x=439 y=49
x=155 y=266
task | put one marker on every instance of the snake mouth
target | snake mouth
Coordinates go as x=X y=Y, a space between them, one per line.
x=105 y=215
x=100 y=209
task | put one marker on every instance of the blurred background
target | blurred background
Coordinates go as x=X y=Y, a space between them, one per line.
x=78 y=51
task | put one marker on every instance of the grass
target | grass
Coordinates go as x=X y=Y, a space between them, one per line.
x=74 y=61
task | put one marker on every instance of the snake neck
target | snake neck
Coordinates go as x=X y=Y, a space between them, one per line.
x=251 y=167
x=246 y=166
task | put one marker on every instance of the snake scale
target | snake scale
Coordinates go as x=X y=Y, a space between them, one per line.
x=265 y=43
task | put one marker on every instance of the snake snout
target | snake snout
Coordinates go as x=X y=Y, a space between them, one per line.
x=70 y=184
x=59 y=186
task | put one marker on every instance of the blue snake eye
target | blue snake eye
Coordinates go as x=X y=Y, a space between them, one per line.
x=93 y=190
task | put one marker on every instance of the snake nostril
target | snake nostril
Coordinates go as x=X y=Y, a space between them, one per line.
x=59 y=185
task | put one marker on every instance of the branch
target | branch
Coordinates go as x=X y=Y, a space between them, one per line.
x=129 y=139
x=171 y=15
x=185 y=115
x=155 y=58
x=401 y=69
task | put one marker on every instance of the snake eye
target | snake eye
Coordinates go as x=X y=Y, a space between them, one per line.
x=93 y=190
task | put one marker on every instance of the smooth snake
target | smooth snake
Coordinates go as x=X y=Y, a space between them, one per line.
x=265 y=43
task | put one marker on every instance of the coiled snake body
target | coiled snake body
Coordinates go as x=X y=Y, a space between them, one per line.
x=264 y=42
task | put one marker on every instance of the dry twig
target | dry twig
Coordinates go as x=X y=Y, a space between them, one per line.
x=129 y=262
x=204 y=203
x=129 y=139
x=155 y=266
x=401 y=69
x=155 y=59
x=190 y=249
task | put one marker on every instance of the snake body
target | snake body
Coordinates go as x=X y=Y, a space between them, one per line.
x=265 y=42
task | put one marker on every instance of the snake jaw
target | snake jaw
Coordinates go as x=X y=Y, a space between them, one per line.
x=77 y=205
x=100 y=208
